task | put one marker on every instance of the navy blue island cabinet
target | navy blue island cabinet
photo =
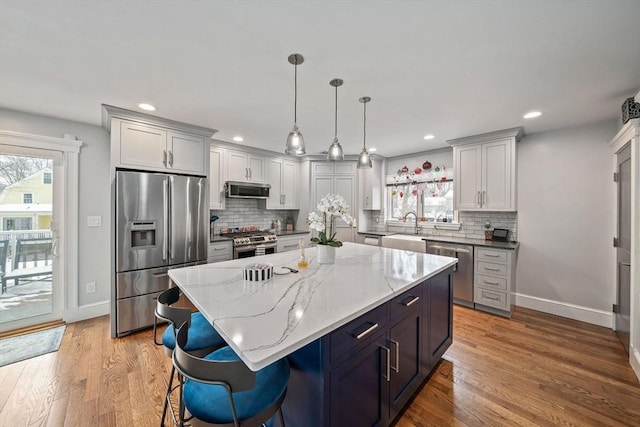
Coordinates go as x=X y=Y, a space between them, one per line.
x=366 y=372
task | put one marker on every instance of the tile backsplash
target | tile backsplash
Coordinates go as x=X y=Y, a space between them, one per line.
x=244 y=212
x=473 y=224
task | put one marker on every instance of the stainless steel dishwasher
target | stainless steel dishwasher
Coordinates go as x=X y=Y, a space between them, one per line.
x=462 y=271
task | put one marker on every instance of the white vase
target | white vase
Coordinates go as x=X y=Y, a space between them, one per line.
x=326 y=254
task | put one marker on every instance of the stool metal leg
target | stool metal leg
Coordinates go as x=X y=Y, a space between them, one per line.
x=167 y=396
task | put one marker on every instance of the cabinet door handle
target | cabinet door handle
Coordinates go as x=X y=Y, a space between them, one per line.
x=164 y=157
x=290 y=246
x=626 y=264
x=492 y=255
x=491 y=283
x=246 y=173
x=282 y=199
x=219 y=249
x=397 y=345
x=366 y=331
x=388 y=367
x=492 y=269
x=491 y=298
x=484 y=197
x=410 y=303
x=479 y=199
x=249 y=172
x=171 y=158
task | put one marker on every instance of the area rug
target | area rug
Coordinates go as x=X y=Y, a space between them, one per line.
x=15 y=349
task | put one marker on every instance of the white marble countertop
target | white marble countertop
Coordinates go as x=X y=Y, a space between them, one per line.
x=266 y=321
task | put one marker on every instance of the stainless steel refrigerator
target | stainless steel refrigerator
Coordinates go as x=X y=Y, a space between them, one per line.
x=160 y=223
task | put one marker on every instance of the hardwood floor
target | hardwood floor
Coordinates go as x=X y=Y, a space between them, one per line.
x=535 y=369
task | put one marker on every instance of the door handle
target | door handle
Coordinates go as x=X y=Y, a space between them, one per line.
x=397 y=345
x=626 y=264
x=282 y=199
x=388 y=367
x=479 y=199
x=171 y=158
x=164 y=157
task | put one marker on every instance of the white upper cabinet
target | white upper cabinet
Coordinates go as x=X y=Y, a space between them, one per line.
x=216 y=178
x=146 y=142
x=242 y=166
x=370 y=186
x=283 y=178
x=159 y=149
x=485 y=171
x=336 y=178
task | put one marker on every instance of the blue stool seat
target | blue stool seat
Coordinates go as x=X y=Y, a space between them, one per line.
x=201 y=335
x=210 y=403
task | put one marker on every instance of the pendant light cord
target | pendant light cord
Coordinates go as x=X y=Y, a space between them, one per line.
x=336 y=118
x=295 y=93
x=364 y=140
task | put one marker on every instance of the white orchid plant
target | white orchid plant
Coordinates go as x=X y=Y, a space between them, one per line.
x=331 y=206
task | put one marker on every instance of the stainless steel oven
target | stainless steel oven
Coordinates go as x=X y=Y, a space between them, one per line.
x=250 y=244
x=251 y=250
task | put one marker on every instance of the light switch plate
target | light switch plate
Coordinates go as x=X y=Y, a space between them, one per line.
x=94 y=221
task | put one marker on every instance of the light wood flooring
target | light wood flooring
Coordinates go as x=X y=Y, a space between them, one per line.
x=535 y=370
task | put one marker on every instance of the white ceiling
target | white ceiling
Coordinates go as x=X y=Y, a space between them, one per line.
x=451 y=68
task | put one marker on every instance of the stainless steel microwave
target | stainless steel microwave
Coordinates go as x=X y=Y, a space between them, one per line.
x=247 y=190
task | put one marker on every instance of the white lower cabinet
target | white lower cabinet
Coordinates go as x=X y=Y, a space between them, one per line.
x=220 y=251
x=494 y=280
x=292 y=242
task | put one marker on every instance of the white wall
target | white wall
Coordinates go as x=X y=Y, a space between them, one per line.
x=95 y=190
x=566 y=202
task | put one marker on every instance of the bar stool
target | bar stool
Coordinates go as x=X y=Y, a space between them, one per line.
x=220 y=390
x=203 y=338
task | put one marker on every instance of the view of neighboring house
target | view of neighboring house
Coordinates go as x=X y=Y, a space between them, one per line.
x=27 y=204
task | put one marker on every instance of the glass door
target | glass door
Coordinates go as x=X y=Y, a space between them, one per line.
x=28 y=241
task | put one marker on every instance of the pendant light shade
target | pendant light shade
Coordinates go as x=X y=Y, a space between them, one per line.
x=335 y=153
x=364 y=161
x=295 y=141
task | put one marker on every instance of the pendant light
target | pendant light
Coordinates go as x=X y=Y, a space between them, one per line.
x=295 y=141
x=364 y=161
x=335 y=153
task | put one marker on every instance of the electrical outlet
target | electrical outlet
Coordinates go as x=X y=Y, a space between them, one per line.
x=94 y=221
x=91 y=287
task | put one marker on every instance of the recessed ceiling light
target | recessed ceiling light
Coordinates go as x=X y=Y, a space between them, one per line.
x=147 y=107
x=238 y=138
x=532 y=114
x=429 y=136
x=372 y=149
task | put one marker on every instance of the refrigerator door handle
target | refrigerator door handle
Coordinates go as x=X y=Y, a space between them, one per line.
x=165 y=205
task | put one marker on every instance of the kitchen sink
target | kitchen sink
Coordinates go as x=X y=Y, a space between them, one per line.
x=405 y=242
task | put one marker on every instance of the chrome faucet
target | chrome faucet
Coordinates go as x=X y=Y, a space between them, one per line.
x=404 y=218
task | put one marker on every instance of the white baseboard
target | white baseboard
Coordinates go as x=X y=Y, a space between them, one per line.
x=634 y=360
x=571 y=311
x=85 y=312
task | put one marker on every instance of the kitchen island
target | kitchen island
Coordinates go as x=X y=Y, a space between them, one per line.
x=361 y=334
